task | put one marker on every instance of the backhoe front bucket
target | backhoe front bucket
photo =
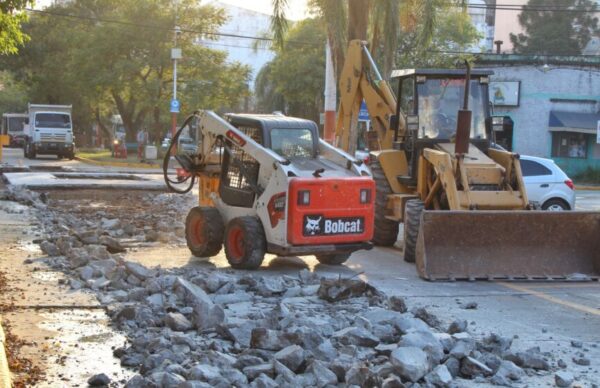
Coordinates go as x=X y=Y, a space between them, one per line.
x=510 y=245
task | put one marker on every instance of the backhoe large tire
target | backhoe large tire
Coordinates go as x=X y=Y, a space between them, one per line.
x=412 y=220
x=204 y=230
x=335 y=259
x=245 y=243
x=386 y=231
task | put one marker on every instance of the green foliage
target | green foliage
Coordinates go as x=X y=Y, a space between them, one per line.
x=555 y=32
x=13 y=97
x=121 y=63
x=453 y=32
x=294 y=81
x=11 y=18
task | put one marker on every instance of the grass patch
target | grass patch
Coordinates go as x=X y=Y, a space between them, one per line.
x=106 y=156
x=589 y=175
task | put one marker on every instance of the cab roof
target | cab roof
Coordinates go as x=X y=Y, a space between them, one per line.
x=402 y=73
x=269 y=121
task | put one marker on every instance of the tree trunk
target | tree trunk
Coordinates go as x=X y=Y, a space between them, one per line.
x=358 y=19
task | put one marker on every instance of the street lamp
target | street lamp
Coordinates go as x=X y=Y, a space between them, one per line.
x=175 y=55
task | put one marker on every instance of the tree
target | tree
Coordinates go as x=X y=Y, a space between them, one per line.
x=561 y=27
x=11 y=17
x=13 y=96
x=453 y=32
x=293 y=81
x=111 y=56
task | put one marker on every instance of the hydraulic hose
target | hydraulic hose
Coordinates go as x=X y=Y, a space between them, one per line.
x=170 y=183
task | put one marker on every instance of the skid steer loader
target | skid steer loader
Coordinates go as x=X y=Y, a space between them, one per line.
x=268 y=184
x=462 y=201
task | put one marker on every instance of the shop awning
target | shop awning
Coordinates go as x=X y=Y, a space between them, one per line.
x=573 y=122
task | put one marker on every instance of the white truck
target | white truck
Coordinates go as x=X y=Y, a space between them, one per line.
x=50 y=131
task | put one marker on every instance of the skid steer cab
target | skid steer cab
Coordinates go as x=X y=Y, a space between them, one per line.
x=269 y=184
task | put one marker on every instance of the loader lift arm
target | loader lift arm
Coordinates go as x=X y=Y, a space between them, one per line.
x=357 y=84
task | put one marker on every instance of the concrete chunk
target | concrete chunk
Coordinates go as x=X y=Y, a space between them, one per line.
x=410 y=362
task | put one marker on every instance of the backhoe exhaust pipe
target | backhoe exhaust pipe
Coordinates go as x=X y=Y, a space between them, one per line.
x=463 y=123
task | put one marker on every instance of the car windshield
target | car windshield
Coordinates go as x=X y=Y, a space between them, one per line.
x=52 y=120
x=439 y=102
x=15 y=124
x=291 y=143
x=186 y=141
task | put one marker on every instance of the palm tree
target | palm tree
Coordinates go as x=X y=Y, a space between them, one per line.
x=378 y=21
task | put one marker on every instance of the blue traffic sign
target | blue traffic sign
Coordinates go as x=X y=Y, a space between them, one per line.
x=174 y=106
x=363 y=113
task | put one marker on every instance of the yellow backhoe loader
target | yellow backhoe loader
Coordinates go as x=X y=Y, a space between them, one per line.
x=461 y=198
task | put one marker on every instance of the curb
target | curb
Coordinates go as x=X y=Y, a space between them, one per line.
x=587 y=187
x=4 y=371
x=117 y=164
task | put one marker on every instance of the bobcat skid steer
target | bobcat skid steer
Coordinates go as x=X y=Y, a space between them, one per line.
x=268 y=184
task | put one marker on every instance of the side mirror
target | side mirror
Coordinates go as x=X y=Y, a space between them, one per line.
x=412 y=123
x=27 y=120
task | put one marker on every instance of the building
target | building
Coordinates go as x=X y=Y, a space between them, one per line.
x=242 y=22
x=482 y=16
x=553 y=105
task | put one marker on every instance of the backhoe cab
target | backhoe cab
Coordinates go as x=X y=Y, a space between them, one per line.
x=429 y=101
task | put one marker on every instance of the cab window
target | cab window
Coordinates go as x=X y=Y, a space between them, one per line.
x=293 y=143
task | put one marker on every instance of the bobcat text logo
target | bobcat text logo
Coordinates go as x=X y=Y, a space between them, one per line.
x=342 y=227
x=318 y=225
x=312 y=226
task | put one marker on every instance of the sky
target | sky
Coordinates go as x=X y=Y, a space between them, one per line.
x=297 y=9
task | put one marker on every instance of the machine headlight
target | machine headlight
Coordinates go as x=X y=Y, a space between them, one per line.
x=365 y=195
x=303 y=197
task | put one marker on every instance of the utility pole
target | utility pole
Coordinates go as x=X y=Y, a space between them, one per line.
x=330 y=91
x=175 y=55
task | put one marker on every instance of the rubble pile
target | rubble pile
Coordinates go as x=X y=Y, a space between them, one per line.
x=198 y=327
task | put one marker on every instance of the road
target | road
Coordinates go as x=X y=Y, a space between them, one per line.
x=549 y=315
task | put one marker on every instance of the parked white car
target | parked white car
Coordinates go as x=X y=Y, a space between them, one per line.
x=547 y=184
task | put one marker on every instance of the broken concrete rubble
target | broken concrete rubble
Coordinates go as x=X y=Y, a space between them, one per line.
x=199 y=326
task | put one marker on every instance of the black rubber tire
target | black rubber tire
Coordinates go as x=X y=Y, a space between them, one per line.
x=386 y=231
x=412 y=220
x=245 y=243
x=71 y=156
x=335 y=259
x=555 y=202
x=32 y=153
x=204 y=231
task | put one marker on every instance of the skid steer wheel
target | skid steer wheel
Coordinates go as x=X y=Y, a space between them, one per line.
x=386 y=231
x=336 y=259
x=245 y=243
x=204 y=231
x=412 y=219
